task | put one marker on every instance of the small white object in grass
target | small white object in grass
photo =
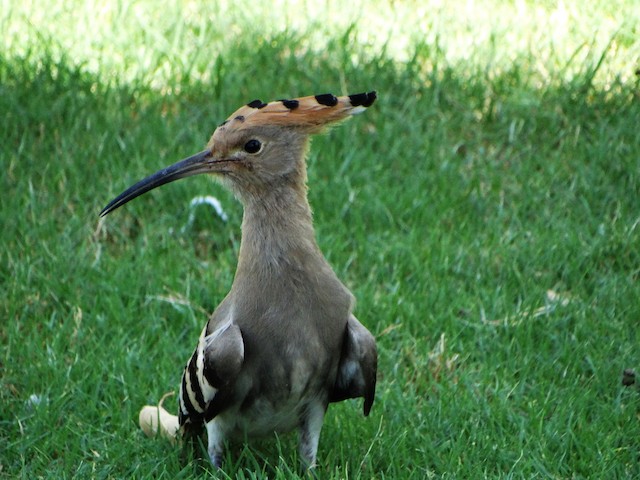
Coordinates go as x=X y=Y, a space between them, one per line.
x=554 y=297
x=155 y=418
x=36 y=400
x=205 y=200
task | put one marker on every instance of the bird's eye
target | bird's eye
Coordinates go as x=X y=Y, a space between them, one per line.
x=252 y=146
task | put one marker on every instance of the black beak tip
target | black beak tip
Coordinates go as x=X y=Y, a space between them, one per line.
x=110 y=207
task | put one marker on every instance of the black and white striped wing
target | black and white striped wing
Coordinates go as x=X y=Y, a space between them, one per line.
x=212 y=368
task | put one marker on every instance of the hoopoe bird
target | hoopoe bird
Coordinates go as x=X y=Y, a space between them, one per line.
x=284 y=342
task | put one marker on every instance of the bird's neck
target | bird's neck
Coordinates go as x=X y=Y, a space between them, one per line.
x=277 y=230
x=280 y=260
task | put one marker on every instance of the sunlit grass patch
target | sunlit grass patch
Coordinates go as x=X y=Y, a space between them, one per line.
x=184 y=41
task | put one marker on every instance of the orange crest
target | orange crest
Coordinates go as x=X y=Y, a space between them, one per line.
x=309 y=113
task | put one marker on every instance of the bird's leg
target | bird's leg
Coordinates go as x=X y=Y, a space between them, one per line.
x=215 y=442
x=309 y=434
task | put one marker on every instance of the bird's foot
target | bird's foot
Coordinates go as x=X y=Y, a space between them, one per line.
x=216 y=458
x=309 y=436
x=215 y=442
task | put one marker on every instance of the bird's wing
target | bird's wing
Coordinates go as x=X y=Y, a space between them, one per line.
x=358 y=366
x=211 y=370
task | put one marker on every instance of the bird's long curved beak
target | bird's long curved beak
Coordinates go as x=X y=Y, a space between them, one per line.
x=202 y=162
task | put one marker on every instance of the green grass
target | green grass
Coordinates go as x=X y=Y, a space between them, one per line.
x=501 y=162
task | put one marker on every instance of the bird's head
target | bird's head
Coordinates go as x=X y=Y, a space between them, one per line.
x=261 y=146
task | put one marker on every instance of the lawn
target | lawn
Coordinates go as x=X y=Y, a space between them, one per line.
x=485 y=212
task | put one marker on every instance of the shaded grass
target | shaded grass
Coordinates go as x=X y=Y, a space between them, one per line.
x=451 y=207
